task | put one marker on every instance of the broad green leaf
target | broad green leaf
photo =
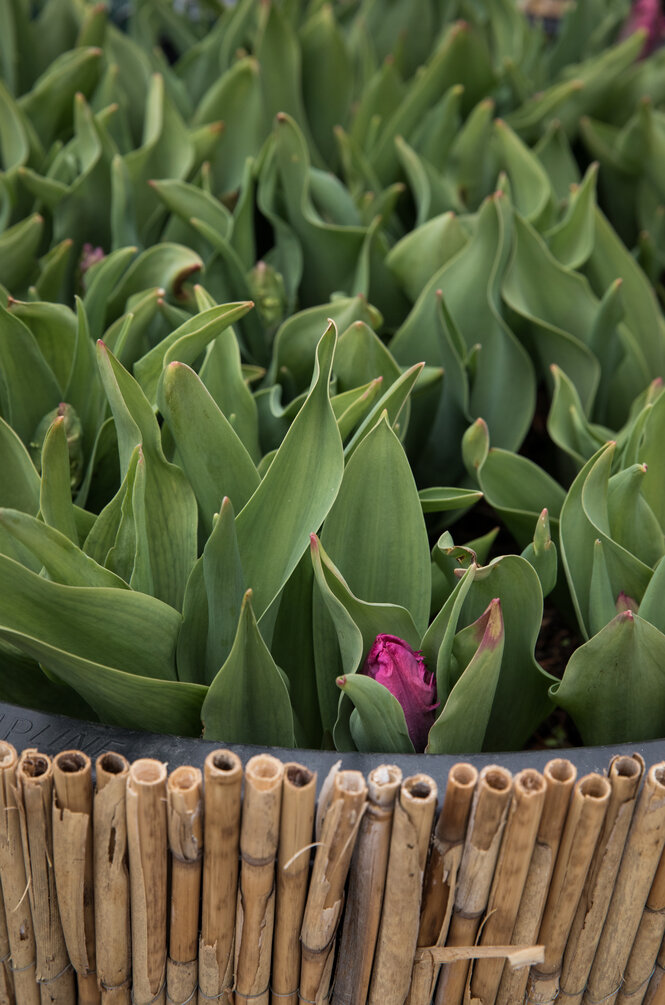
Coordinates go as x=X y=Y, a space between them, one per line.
x=440 y=500
x=613 y=685
x=375 y=532
x=224 y=586
x=165 y=265
x=377 y=722
x=222 y=374
x=110 y=627
x=572 y=239
x=28 y=388
x=248 y=701
x=223 y=468
x=19 y=486
x=171 y=512
x=185 y=344
x=64 y=562
x=541 y=554
x=304 y=477
x=584 y=520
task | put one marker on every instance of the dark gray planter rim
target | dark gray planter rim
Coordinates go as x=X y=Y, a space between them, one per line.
x=50 y=734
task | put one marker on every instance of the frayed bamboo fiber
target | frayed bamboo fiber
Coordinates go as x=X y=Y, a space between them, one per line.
x=185 y=829
x=441 y=878
x=111 y=870
x=481 y=850
x=560 y=775
x=222 y=777
x=259 y=837
x=148 y=870
x=335 y=844
x=642 y=853
x=519 y=840
x=20 y=930
x=517 y=957
x=34 y=777
x=73 y=861
x=295 y=842
x=642 y=959
x=400 y=916
x=367 y=879
x=625 y=775
x=6 y=979
x=588 y=806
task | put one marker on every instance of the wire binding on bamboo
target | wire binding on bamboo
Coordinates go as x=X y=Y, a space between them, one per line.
x=158 y=888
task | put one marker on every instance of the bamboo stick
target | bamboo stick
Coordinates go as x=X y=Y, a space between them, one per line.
x=644 y=846
x=222 y=775
x=34 y=779
x=6 y=979
x=481 y=850
x=644 y=952
x=560 y=775
x=656 y=989
x=400 y=916
x=367 y=878
x=111 y=872
x=20 y=929
x=336 y=841
x=148 y=868
x=73 y=862
x=295 y=837
x=509 y=878
x=589 y=803
x=441 y=878
x=185 y=829
x=625 y=775
x=259 y=836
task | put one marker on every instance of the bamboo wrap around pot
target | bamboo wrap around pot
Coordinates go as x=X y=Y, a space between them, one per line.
x=132 y=884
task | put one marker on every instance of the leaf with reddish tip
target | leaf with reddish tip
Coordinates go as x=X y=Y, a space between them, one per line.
x=55 y=498
x=614 y=685
x=462 y=724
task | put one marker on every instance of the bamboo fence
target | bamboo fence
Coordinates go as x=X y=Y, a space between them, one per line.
x=123 y=883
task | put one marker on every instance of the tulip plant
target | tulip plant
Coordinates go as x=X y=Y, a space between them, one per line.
x=289 y=291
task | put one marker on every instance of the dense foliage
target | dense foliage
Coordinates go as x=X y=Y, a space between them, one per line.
x=285 y=287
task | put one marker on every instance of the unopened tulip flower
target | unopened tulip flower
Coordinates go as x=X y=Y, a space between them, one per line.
x=392 y=662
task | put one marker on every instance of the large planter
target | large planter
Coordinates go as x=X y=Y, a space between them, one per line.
x=50 y=734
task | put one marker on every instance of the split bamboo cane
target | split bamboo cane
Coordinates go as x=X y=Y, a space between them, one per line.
x=560 y=775
x=481 y=850
x=148 y=869
x=34 y=779
x=441 y=877
x=295 y=842
x=185 y=829
x=111 y=871
x=585 y=818
x=625 y=775
x=222 y=776
x=400 y=916
x=325 y=899
x=643 y=849
x=367 y=879
x=259 y=836
x=74 y=867
x=20 y=931
x=509 y=878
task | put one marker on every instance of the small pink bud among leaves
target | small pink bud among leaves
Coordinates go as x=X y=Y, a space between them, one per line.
x=625 y=603
x=392 y=662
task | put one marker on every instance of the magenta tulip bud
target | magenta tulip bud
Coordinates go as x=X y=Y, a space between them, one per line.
x=393 y=663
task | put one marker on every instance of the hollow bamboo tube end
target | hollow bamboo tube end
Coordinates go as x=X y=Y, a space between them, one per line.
x=530 y=783
x=382 y=785
x=147 y=772
x=594 y=786
x=185 y=823
x=264 y=772
x=33 y=767
x=8 y=755
x=297 y=776
x=222 y=767
x=108 y=766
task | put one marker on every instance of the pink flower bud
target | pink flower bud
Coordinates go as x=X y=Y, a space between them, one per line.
x=393 y=663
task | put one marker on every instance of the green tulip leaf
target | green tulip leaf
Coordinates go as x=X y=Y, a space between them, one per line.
x=248 y=701
x=377 y=721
